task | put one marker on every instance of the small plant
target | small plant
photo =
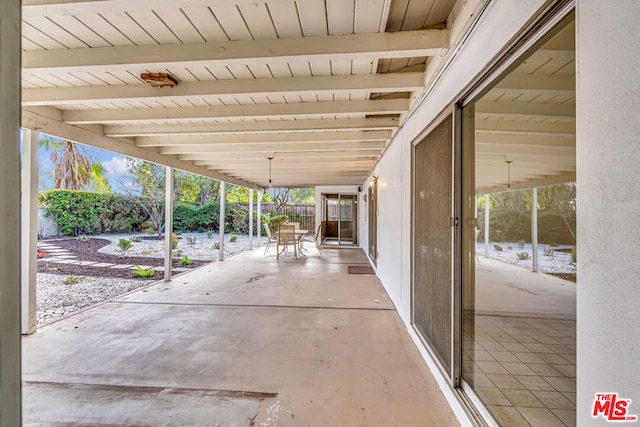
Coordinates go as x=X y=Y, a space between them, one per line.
x=523 y=255
x=143 y=272
x=136 y=239
x=178 y=232
x=178 y=253
x=216 y=246
x=509 y=247
x=150 y=231
x=82 y=238
x=574 y=255
x=549 y=251
x=521 y=243
x=233 y=238
x=209 y=234
x=72 y=280
x=146 y=252
x=174 y=241
x=192 y=240
x=497 y=247
x=185 y=260
x=124 y=245
x=554 y=245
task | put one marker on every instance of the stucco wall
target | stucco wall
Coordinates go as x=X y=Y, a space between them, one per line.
x=608 y=155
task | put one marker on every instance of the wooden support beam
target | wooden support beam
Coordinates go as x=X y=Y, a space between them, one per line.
x=390 y=82
x=297 y=155
x=382 y=106
x=539 y=110
x=263 y=126
x=138 y=59
x=265 y=138
x=271 y=148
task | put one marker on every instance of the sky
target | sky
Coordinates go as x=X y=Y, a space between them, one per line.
x=114 y=164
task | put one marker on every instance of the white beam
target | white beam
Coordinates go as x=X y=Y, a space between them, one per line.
x=539 y=110
x=259 y=219
x=523 y=185
x=538 y=84
x=390 y=82
x=513 y=127
x=301 y=155
x=374 y=123
x=10 y=357
x=29 y=229
x=534 y=229
x=525 y=140
x=260 y=162
x=250 y=219
x=401 y=44
x=168 y=224
x=271 y=148
x=386 y=106
x=265 y=138
x=487 y=203
x=53 y=8
x=51 y=126
x=223 y=199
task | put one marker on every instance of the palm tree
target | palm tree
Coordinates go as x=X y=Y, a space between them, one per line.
x=73 y=169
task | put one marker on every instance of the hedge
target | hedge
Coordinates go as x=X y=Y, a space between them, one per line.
x=509 y=225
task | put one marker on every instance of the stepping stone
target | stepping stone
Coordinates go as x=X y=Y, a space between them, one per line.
x=158 y=268
x=103 y=264
x=59 y=251
x=66 y=256
x=86 y=263
x=63 y=261
x=121 y=266
x=180 y=269
x=143 y=267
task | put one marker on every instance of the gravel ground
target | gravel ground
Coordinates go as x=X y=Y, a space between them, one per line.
x=56 y=299
x=203 y=249
x=559 y=262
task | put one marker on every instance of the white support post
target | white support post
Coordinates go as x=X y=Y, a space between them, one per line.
x=250 y=219
x=486 y=225
x=29 y=228
x=168 y=224
x=534 y=229
x=223 y=198
x=259 y=232
x=10 y=364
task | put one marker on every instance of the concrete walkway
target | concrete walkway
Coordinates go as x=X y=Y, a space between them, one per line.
x=249 y=341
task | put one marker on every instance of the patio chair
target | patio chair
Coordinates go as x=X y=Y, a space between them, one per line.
x=286 y=236
x=317 y=239
x=270 y=238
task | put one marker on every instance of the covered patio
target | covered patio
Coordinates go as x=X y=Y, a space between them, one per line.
x=250 y=341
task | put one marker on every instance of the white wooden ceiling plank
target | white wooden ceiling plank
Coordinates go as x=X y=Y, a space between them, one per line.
x=130 y=28
x=151 y=24
x=398 y=64
x=320 y=67
x=416 y=14
x=205 y=22
x=308 y=97
x=260 y=71
x=220 y=72
x=105 y=30
x=127 y=77
x=368 y=16
x=37 y=36
x=340 y=16
x=180 y=25
x=300 y=69
x=397 y=14
x=313 y=18
x=384 y=65
x=28 y=84
x=240 y=71
x=232 y=22
x=416 y=60
x=107 y=78
x=292 y=98
x=258 y=20
x=554 y=65
x=285 y=19
x=362 y=66
x=70 y=80
x=324 y=97
x=200 y=73
x=280 y=69
x=180 y=73
x=80 y=30
x=343 y=96
x=340 y=67
x=439 y=12
x=57 y=33
x=28 y=44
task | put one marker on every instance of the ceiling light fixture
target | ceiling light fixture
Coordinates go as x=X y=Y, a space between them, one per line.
x=508 y=162
x=270 y=158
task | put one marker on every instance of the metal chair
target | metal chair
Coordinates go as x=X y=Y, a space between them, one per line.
x=313 y=238
x=286 y=236
x=270 y=238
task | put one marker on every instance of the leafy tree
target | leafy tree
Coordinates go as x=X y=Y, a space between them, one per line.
x=73 y=168
x=149 y=180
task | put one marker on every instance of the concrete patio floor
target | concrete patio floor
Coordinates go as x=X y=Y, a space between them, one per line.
x=249 y=341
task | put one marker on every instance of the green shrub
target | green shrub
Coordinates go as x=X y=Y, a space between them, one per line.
x=146 y=252
x=192 y=240
x=124 y=245
x=233 y=238
x=72 y=280
x=82 y=238
x=509 y=247
x=509 y=225
x=185 y=260
x=521 y=243
x=75 y=212
x=497 y=247
x=178 y=253
x=174 y=241
x=136 y=239
x=523 y=255
x=552 y=228
x=549 y=251
x=209 y=234
x=143 y=272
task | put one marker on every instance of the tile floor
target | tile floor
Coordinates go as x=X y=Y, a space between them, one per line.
x=523 y=368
